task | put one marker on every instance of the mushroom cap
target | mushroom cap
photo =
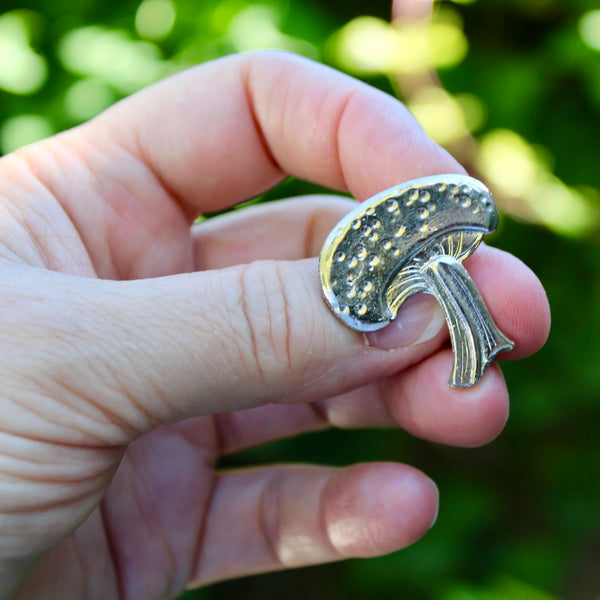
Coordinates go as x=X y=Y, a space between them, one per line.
x=396 y=230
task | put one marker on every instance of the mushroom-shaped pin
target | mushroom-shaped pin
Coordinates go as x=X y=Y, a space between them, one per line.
x=413 y=238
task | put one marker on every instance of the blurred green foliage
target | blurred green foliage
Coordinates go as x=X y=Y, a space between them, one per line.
x=520 y=518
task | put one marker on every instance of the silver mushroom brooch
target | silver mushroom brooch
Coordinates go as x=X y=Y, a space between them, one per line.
x=413 y=238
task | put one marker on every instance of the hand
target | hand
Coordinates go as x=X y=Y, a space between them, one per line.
x=137 y=347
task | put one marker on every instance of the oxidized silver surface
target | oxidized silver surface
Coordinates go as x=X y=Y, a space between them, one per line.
x=413 y=238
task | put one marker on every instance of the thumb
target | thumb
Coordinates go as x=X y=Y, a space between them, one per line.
x=123 y=357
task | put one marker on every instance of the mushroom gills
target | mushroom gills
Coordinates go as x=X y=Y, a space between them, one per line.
x=438 y=271
x=475 y=338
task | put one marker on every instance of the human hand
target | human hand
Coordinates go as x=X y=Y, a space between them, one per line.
x=138 y=347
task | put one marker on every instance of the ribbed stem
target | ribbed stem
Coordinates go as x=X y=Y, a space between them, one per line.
x=475 y=337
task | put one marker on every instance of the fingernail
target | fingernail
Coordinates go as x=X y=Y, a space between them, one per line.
x=437 y=506
x=419 y=319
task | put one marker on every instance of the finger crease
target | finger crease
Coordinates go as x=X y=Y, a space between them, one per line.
x=246 y=76
x=320 y=413
x=139 y=154
x=286 y=313
x=196 y=554
x=269 y=518
x=309 y=234
x=112 y=550
x=223 y=422
x=336 y=138
x=246 y=311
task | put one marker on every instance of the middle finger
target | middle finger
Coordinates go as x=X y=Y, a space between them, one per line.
x=284 y=230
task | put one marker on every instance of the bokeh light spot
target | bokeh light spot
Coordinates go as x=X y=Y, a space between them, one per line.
x=154 y=19
x=86 y=98
x=533 y=192
x=563 y=209
x=22 y=130
x=112 y=56
x=449 y=44
x=504 y=152
x=440 y=114
x=474 y=110
x=589 y=29
x=22 y=71
x=258 y=27
x=369 y=45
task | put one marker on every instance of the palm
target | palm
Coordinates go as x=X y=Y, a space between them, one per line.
x=164 y=480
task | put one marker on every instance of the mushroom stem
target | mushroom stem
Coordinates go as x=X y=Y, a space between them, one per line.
x=475 y=337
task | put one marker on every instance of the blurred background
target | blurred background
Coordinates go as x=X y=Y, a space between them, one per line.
x=510 y=87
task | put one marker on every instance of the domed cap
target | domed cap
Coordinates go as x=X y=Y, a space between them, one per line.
x=380 y=245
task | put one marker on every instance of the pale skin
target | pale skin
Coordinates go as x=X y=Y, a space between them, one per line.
x=137 y=347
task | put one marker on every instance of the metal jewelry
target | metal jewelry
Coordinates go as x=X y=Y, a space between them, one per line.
x=413 y=238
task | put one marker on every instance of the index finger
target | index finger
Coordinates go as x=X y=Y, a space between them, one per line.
x=244 y=121
x=227 y=130
x=214 y=135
